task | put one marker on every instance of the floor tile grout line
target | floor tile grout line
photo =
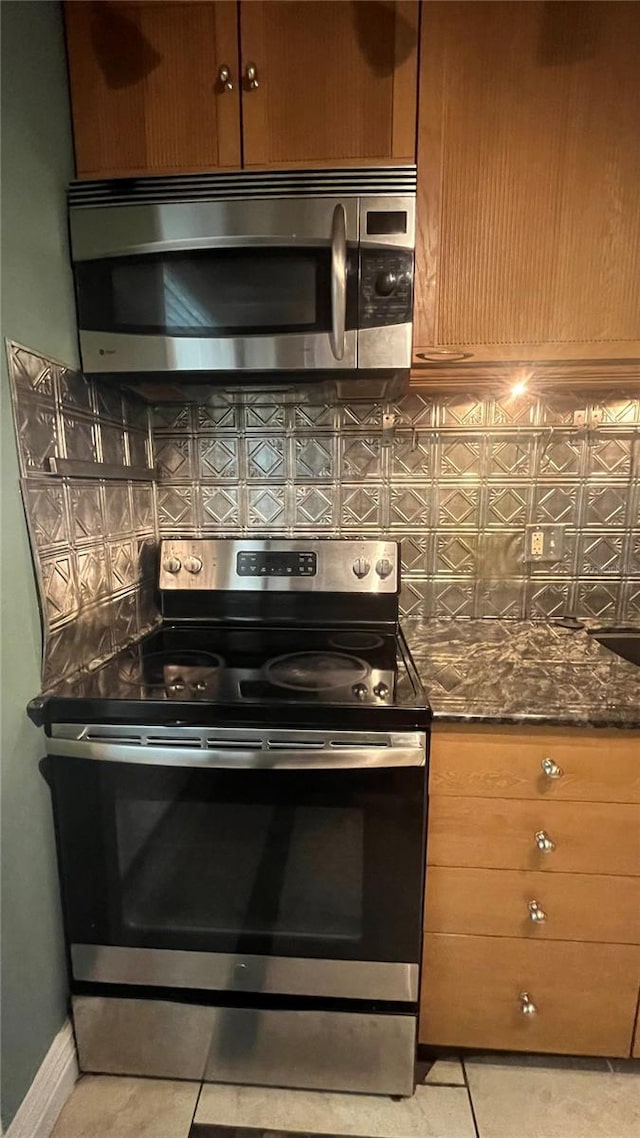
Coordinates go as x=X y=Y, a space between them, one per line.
x=195 y=1108
x=471 y=1106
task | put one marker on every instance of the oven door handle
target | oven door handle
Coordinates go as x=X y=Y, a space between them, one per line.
x=407 y=749
x=338 y=281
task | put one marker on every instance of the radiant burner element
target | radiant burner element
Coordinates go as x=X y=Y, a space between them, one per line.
x=316 y=671
x=357 y=641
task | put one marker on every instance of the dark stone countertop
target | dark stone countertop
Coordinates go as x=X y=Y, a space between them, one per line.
x=500 y=671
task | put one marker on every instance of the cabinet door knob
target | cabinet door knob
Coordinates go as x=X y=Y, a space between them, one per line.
x=536 y=912
x=224 y=77
x=252 y=76
x=527 y=1006
x=543 y=841
x=551 y=769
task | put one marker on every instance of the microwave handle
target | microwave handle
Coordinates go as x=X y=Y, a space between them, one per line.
x=338 y=281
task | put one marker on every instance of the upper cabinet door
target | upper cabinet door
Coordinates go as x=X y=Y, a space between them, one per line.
x=147 y=90
x=328 y=81
x=529 y=182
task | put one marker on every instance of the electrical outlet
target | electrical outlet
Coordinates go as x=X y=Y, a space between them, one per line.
x=544 y=543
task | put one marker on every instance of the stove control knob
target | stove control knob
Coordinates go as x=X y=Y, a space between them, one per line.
x=198 y=685
x=176 y=686
x=361 y=567
x=381 y=690
x=193 y=564
x=383 y=567
x=172 y=564
x=360 y=691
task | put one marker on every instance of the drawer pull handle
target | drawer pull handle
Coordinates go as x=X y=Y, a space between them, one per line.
x=527 y=1006
x=551 y=769
x=536 y=912
x=543 y=842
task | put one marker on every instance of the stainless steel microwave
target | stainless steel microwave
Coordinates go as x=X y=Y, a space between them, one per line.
x=293 y=272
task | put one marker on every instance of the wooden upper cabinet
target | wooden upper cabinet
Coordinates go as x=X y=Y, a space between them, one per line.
x=528 y=182
x=145 y=88
x=336 y=81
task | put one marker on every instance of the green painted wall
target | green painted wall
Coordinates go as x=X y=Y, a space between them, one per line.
x=37 y=310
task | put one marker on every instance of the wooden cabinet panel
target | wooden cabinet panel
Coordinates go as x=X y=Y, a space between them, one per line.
x=585 y=994
x=636 y=1041
x=144 y=84
x=529 y=165
x=495 y=902
x=336 y=81
x=495 y=833
x=504 y=762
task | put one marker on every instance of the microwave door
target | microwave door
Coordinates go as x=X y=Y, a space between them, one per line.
x=283 y=299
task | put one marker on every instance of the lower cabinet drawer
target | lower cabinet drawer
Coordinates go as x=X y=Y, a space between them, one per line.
x=477 y=991
x=539 y=906
x=497 y=833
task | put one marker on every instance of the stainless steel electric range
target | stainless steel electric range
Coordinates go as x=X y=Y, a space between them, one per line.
x=240 y=810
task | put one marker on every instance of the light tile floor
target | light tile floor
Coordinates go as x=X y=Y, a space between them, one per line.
x=486 y=1096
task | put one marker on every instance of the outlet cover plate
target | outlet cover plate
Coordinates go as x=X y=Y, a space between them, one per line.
x=552 y=541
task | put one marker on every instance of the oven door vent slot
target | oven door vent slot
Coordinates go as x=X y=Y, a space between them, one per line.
x=111 y=737
x=342 y=744
x=175 y=741
x=234 y=744
x=296 y=744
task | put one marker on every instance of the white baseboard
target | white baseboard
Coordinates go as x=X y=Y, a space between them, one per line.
x=49 y=1090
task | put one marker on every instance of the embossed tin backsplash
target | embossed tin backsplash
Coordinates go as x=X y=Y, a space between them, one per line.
x=93 y=538
x=457 y=478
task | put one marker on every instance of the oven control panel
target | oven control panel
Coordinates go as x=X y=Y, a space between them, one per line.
x=279 y=564
x=276 y=563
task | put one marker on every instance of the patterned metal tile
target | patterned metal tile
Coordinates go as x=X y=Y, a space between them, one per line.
x=310 y=417
x=31 y=372
x=60 y=656
x=411 y=455
x=416 y=554
x=502 y=599
x=558 y=408
x=557 y=503
x=142 y=507
x=625 y=411
x=265 y=457
x=361 y=505
x=460 y=457
x=75 y=390
x=80 y=438
x=37 y=435
x=220 y=507
x=559 y=455
x=173 y=458
x=410 y=506
x=610 y=456
x=415 y=410
x=513 y=410
x=454 y=598
x=93 y=573
x=59 y=586
x=546 y=599
x=500 y=554
x=175 y=507
x=360 y=456
x=85 y=510
x=606 y=505
x=123 y=558
x=598 y=599
x=260 y=415
x=314 y=507
x=360 y=416
x=631 y=601
x=460 y=410
x=109 y=401
x=113 y=444
x=507 y=505
x=417 y=598
x=600 y=555
x=118 y=508
x=46 y=509
x=313 y=457
x=124 y=618
x=138 y=455
x=510 y=456
x=459 y=506
x=170 y=418
x=217 y=457
x=94 y=635
x=456 y=554
x=266 y=506
x=220 y=414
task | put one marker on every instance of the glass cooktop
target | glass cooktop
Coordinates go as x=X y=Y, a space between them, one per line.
x=257 y=667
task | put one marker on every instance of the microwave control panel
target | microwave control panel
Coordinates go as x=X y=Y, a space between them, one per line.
x=386 y=287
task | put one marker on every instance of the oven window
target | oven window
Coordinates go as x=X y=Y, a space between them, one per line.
x=208 y=292
x=322 y=863
x=249 y=870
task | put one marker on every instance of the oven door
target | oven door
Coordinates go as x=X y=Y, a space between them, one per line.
x=293 y=865
x=217 y=286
